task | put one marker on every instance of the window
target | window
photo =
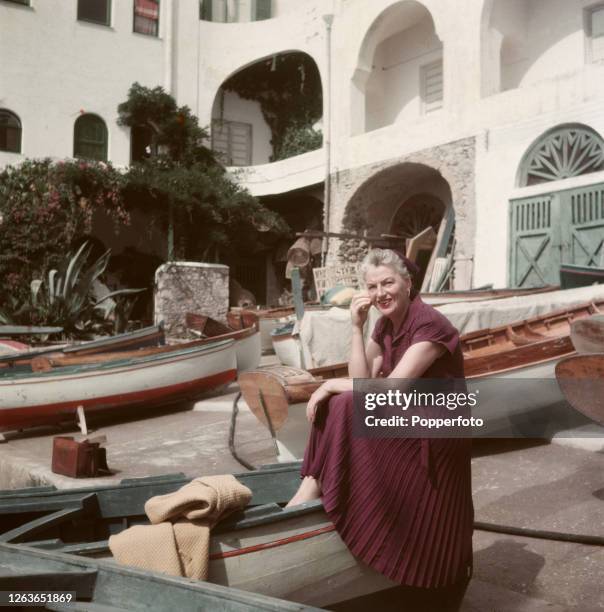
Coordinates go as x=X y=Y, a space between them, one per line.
x=262 y=10
x=233 y=140
x=141 y=144
x=146 y=17
x=90 y=138
x=563 y=152
x=595 y=33
x=431 y=76
x=97 y=11
x=10 y=132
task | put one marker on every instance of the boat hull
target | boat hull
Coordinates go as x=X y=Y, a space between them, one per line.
x=301 y=559
x=572 y=276
x=43 y=398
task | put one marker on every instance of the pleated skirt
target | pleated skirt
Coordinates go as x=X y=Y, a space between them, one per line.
x=403 y=506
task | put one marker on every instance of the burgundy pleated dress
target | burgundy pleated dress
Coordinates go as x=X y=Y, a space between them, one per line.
x=402 y=505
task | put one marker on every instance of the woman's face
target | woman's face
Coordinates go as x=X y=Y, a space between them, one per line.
x=388 y=290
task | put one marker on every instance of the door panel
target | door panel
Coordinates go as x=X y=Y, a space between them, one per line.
x=547 y=230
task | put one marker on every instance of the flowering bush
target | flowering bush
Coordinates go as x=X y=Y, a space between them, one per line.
x=46 y=206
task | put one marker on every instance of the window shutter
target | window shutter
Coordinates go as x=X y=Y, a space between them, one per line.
x=597 y=34
x=432 y=86
x=206 y=10
x=263 y=10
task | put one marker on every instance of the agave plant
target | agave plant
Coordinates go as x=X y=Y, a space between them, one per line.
x=65 y=298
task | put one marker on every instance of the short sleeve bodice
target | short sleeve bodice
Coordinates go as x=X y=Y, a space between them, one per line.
x=422 y=323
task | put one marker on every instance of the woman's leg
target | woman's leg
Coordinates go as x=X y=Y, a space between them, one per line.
x=308 y=490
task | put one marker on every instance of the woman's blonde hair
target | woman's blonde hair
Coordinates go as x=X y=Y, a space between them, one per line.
x=383 y=257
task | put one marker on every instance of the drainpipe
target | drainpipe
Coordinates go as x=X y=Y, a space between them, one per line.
x=328 y=19
x=169 y=41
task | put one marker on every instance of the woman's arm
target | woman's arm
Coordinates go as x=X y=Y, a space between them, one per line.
x=324 y=392
x=417 y=359
x=364 y=362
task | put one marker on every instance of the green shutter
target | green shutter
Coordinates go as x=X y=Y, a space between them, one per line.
x=263 y=10
x=206 y=10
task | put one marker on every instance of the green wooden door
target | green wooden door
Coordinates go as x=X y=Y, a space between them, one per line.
x=550 y=229
x=535 y=241
x=585 y=237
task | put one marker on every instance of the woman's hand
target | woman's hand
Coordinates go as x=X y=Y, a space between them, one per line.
x=320 y=395
x=359 y=308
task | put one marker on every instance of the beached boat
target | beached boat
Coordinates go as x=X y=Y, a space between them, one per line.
x=140 y=338
x=572 y=276
x=581 y=378
x=527 y=350
x=287 y=345
x=268 y=319
x=247 y=339
x=292 y=553
x=56 y=386
x=479 y=295
x=587 y=335
x=101 y=585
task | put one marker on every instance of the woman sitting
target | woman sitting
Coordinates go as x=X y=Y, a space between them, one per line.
x=401 y=505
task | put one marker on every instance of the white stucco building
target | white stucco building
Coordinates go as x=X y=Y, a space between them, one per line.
x=489 y=111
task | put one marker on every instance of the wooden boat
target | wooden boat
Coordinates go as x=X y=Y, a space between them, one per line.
x=294 y=553
x=528 y=349
x=581 y=378
x=480 y=294
x=112 y=381
x=103 y=586
x=287 y=346
x=587 y=335
x=141 y=338
x=268 y=320
x=572 y=276
x=247 y=339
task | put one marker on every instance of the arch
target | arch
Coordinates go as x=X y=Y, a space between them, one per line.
x=90 y=137
x=10 y=131
x=388 y=81
x=526 y=41
x=255 y=117
x=564 y=151
x=404 y=198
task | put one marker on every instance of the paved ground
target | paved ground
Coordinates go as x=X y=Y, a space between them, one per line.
x=542 y=486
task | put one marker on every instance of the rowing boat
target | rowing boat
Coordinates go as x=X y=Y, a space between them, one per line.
x=247 y=338
x=57 y=581
x=141 y=338
x=292 y=553
x=581 y=378
x=55 y=387
x=572 y=275
x=587 y=335
x=524 y=351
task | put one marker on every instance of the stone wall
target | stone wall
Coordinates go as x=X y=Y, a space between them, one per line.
x=363 y=197
x=185 y=286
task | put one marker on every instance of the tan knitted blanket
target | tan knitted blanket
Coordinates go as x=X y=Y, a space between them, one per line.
x=178 y=540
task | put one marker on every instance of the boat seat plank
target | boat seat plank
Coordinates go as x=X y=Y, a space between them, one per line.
x=27 y=491
x=85 y=606
x=39 y=524
x=82 y=581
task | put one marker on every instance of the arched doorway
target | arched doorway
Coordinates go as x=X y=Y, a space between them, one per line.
x=401 y=200
x=561 y=225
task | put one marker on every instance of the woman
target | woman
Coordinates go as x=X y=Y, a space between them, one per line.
x=401 y=505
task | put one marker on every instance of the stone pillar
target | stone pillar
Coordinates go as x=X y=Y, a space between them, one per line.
x=186 y=286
